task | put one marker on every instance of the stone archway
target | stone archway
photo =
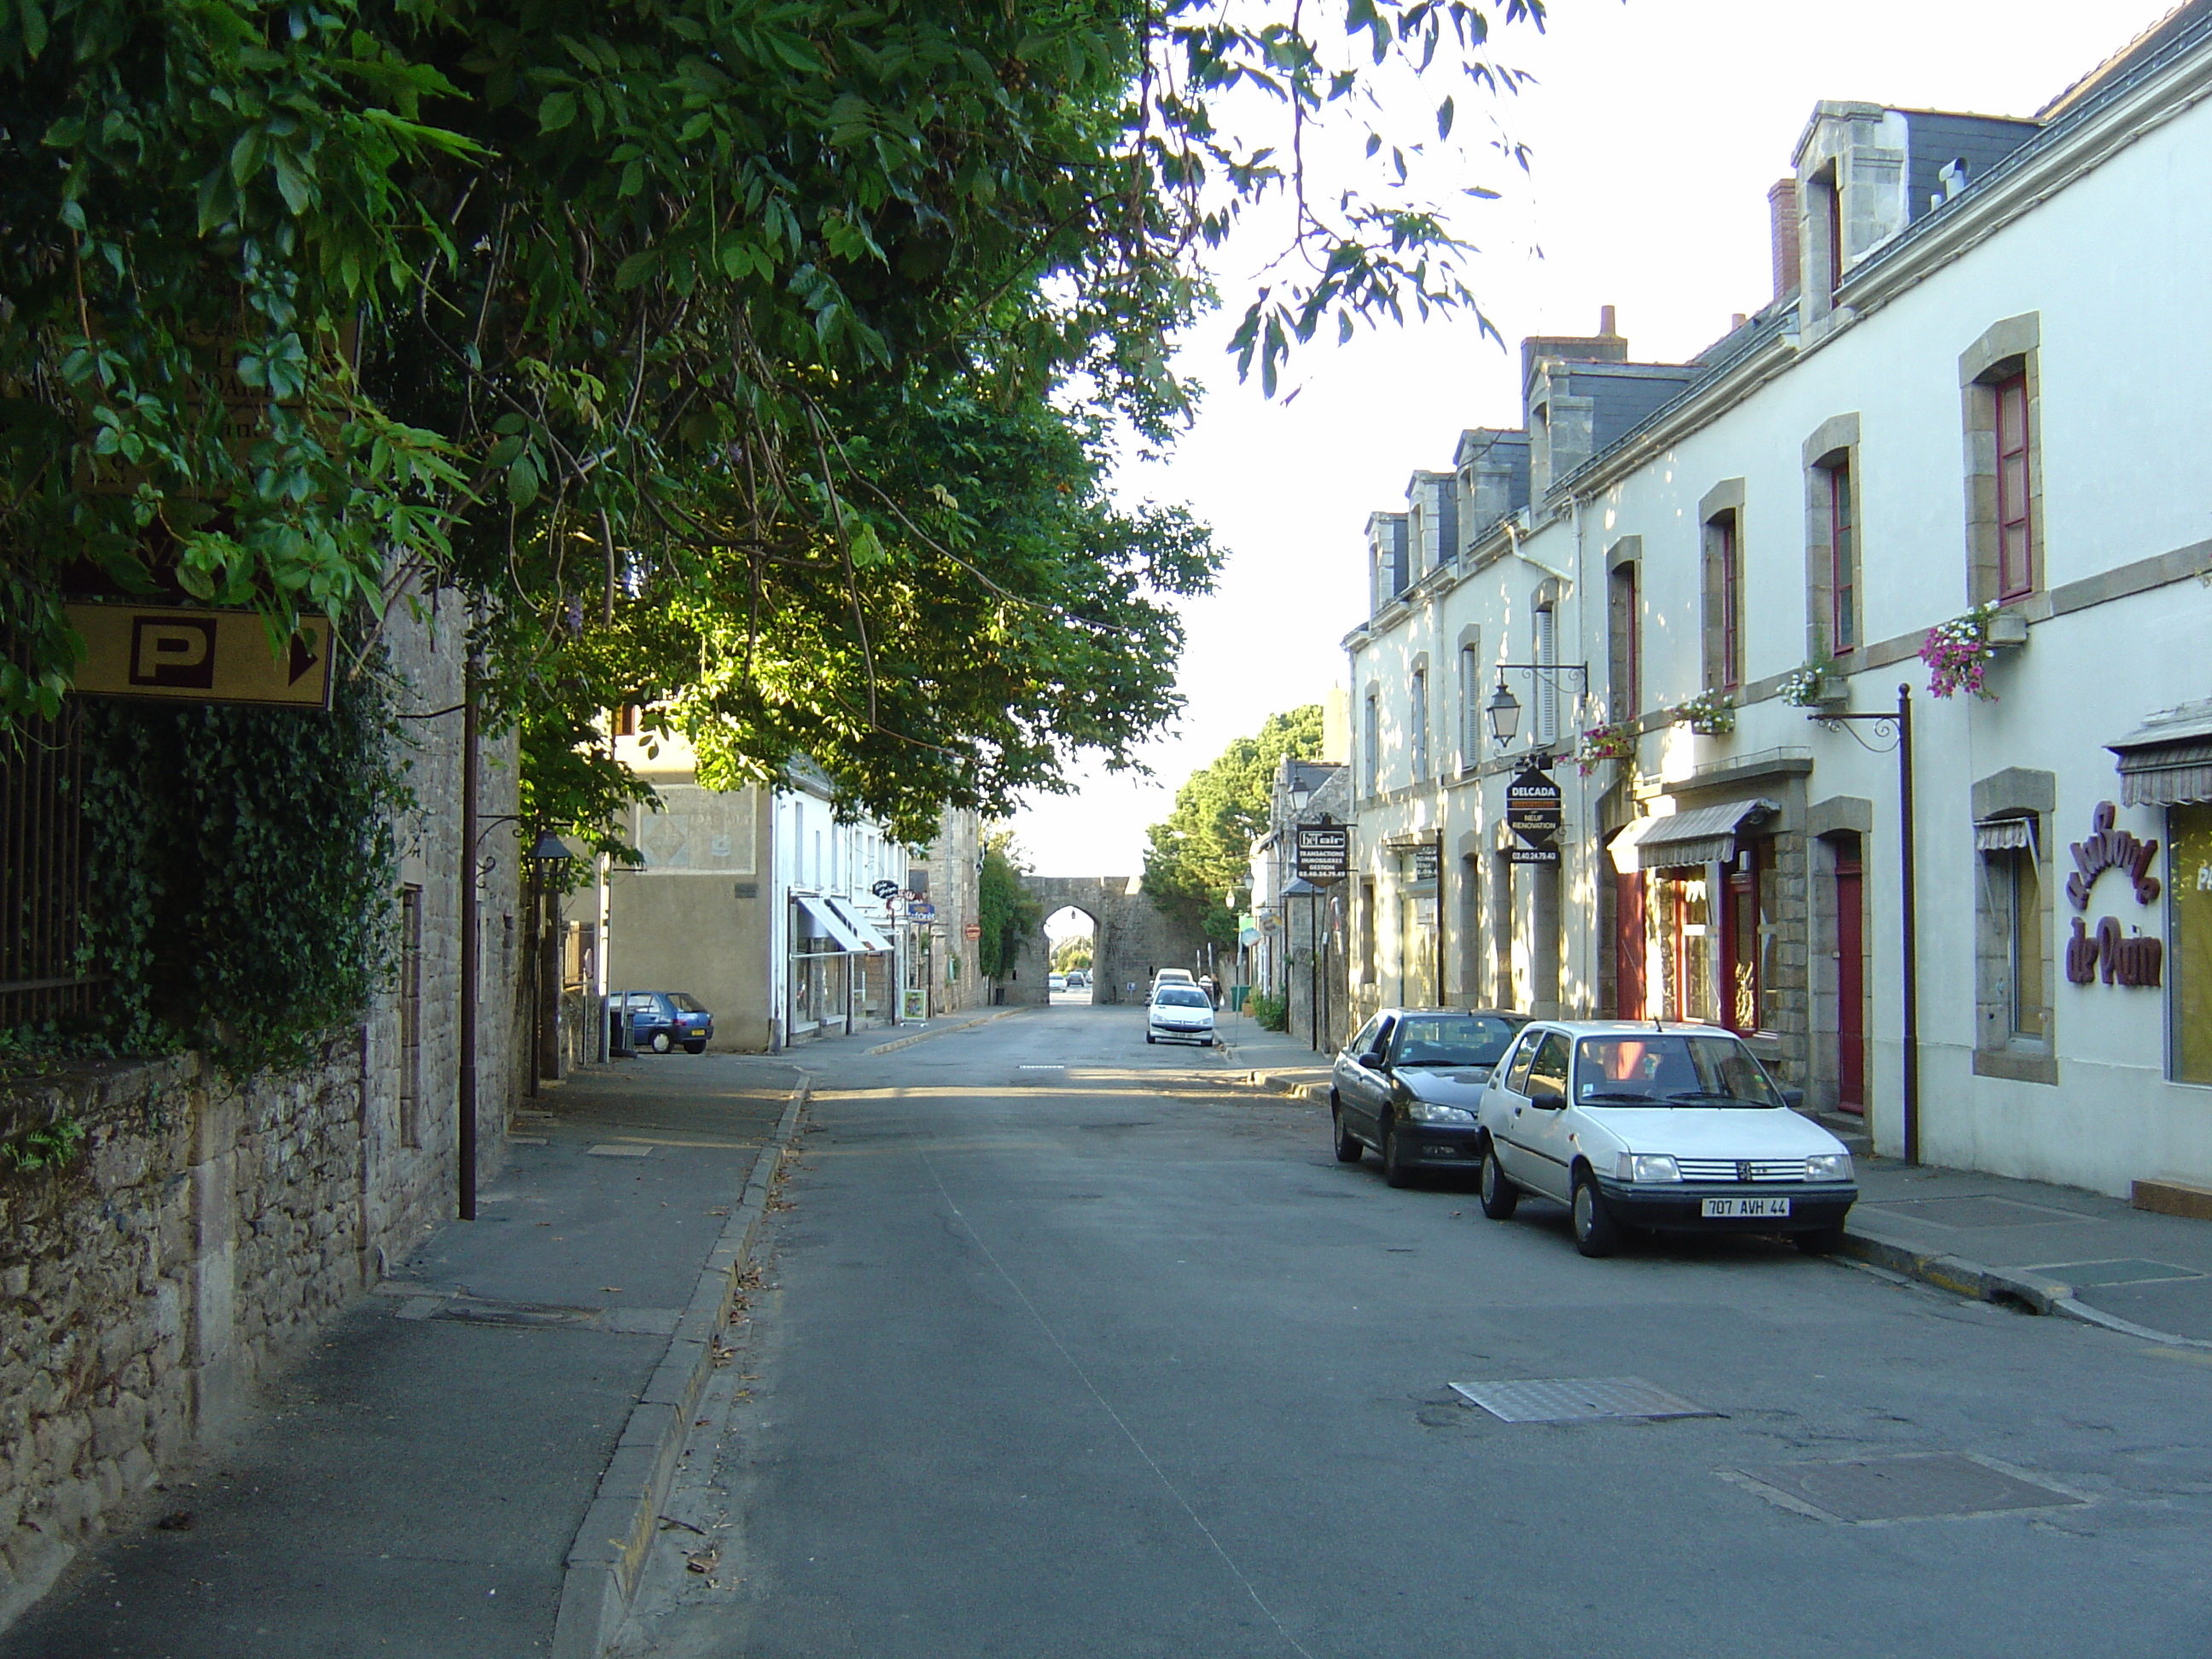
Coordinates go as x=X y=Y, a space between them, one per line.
x=1131 y=937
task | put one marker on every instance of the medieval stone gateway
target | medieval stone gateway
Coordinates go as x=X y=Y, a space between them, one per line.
x=1131 y=937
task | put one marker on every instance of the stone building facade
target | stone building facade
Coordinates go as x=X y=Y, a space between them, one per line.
x=1709 y=613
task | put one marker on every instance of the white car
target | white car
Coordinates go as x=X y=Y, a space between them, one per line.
x=1669 y=1127
x=1056 y=982
x=1179 y=1013
x=1172 y=976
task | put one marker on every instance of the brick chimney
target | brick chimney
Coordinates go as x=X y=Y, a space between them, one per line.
x=1782 y=219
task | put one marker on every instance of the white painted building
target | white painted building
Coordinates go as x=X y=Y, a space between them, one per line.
x=1978 y=394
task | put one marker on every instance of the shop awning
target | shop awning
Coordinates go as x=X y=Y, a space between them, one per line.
x=2003 y=834
x=1705 y=835
x=2167 y=760
x=822 y=921
x=871 y=942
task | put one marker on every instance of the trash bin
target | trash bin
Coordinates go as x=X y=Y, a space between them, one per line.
x=1237 y=995
x=619 y=1046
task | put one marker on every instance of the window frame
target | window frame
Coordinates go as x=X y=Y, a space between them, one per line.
x=1723 y=532
x=1843 y=554
x=1417 y=712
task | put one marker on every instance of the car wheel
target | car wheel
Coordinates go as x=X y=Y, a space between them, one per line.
x=1396 y=1172
x=1596 y=1233
x=1348 y=1147
x=660 y=1044
x=1499 y=1195
x=1819 y=1241
x=1149 y=1037
x=694 y=1047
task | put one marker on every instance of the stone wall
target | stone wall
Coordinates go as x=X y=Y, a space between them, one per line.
x=210 y=1226
x=204 y=1233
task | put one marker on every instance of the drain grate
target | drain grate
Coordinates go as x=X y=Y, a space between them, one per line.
x=1574 y=1399
x=2083 y=1275
x=1907 y=1486
x=465 y=1311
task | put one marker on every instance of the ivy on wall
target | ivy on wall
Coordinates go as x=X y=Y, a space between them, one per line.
x=242 y=871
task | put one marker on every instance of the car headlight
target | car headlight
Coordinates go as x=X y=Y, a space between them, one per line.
x=1648 y=1166
x=1828 y=1166
x=1427 y=1111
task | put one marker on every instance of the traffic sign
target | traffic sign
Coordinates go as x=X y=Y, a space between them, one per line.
x=972 y=930
x=200 y=656
x=1323 y=852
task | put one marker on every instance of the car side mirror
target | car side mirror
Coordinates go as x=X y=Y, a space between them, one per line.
x=1372 y=1059
x=1550 y=1099
x=1794 y=1099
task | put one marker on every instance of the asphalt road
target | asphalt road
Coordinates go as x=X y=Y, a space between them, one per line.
x=1064 y=1350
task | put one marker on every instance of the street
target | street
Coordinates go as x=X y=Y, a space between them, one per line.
x=1066 y=1348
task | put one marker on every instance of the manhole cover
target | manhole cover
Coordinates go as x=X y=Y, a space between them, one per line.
x=1909 y=1486
x=1973 y=1212
x=1573 y=1400
x=2084 y=1274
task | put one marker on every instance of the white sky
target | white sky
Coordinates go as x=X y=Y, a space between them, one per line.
x=1656 y=128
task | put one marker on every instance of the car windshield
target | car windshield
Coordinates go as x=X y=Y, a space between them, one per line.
x=1453 y=1039
x=1669 y=1068
x=686 y=1003
x=1178 y=996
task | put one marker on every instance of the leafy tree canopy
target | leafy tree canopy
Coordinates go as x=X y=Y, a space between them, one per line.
x=757 y=361
x=1006 y=911
x=1203 y=848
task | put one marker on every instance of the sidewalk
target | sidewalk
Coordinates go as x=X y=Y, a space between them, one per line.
x=2054 y=1250
x=476 y=1451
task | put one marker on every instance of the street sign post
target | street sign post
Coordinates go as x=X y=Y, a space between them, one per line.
x=199 y=656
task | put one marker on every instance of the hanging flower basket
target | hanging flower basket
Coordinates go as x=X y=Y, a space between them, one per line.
x=1614 y=742
x=1816 y=685
x=1710 y=714
x=1959 y=652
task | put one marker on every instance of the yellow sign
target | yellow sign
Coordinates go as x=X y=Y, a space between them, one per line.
x=199 y=656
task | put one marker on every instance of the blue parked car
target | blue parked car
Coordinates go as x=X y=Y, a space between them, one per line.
x=660 y=1020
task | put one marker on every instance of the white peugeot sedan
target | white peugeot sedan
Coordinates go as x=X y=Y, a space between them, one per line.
x=1675 y=1128
x=1179 y=1013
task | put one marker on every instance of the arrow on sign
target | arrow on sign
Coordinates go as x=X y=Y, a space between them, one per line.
x=303 y=658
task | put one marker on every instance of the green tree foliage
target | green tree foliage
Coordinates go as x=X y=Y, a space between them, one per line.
x=1072 y=953
x=1007 y=913
x=727 y=351
x=1204 y=847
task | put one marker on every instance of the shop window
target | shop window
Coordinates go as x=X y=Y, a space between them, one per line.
x=1746 y=937
x=1689 y=965
x=1367 y=973
x=2189 y=950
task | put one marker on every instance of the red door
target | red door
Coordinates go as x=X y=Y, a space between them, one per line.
x=1851 y=987
x=1628 y=944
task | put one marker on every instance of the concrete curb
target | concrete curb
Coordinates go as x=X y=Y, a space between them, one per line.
x=608 y=1556
x=1281 y=1083
x=942 y=1031
x=2037 y=1293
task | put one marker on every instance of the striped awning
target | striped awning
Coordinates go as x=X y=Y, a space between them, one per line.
x=1705 y=834
x=2003 y=834
x=2167 y=760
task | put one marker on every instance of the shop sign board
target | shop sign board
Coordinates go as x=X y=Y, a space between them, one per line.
x=1533 y=805
x=1532 y=855
x=920 y=911
x=199 y=656
x=1323 y=852
x=886 y=890
x=1425 y=861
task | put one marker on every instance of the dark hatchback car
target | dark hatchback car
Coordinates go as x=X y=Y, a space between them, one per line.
x=1408 y=1085
x=660 y=1020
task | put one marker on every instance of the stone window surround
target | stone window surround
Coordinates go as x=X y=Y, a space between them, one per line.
x=1724 y=501
x=1624 y=661
x=1370 y=741
x=2005 y=348
x=1836 y=439
x=2017 y=791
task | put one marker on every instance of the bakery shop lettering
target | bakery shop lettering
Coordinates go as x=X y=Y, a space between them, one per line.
x=2106 y=953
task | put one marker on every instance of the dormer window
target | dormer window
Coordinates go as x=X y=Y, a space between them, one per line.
x=1830 y=191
